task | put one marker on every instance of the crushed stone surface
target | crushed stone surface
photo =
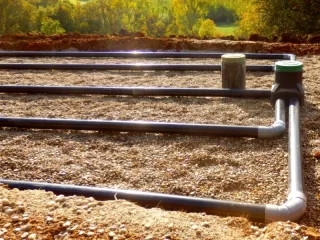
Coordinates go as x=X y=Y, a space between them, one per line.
x=239 y=169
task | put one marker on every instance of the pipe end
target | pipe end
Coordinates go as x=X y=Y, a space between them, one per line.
x=291 y=210
x=277 y=129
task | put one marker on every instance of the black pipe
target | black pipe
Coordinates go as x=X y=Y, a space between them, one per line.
x=139 y=67
x=132 y=126
x=137 y=91
x=255 y=212
x=136 y=54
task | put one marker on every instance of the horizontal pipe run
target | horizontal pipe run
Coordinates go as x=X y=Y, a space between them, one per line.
x=255 y=212
x=263 y=132
x=131 y=126
x=136 y=54
x=128 y=67
x=291 y=210
x=137 y=91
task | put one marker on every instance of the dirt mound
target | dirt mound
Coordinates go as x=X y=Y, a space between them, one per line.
x=94 y=42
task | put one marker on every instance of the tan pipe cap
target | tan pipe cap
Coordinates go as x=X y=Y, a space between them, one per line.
x=233 y=58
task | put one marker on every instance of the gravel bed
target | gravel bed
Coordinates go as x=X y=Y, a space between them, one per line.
x=241 y=169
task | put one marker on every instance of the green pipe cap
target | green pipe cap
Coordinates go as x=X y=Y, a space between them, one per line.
x=233 y=58
x=289 y=66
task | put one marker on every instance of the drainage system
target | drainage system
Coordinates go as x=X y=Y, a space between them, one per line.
x=138 y=54
x=286 y=91
x=127 y=67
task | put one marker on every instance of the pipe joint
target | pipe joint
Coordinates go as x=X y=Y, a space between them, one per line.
x=277 y=129
x=291 y=210
x=290 y=57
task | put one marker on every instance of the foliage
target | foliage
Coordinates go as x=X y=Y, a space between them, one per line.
x=16 y=16
x=207 y=29
x=160 y=17
x=50 y=26
x=221 y=14
x=275 y=17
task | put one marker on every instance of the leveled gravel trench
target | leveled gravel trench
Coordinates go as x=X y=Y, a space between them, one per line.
x=222 y=168
x=241 y=169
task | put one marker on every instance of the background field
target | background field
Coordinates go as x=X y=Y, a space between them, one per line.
x=227 y=29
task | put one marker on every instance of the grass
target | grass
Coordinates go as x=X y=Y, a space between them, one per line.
x=227 y=29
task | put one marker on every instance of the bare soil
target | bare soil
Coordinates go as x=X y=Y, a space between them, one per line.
x=240 y=169
x=92 y=42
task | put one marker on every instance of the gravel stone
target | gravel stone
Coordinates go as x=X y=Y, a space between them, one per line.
x=32 y=236
x=112 y=234
x=51 y=204
x=7 y=225
x=9 y=211
x=26 y=228
x=60 y=199
x=205 y=224
x=90 y=234
x=24 y=235
x=5 y=202
x=147 y=226
x=15 y=218
x=21 y=208
x=66 y=224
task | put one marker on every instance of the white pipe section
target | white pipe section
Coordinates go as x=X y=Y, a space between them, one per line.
x=278 y=128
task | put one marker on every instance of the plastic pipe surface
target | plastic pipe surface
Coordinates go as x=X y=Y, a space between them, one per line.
x=137 y=91
x=292 y=210
x=129 y=67
x=278 y=128
x=137 y=54
x=150 y=127
x=296 y=204
x=254 y=212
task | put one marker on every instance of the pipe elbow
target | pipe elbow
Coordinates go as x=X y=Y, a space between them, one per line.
x=290 y=57
x=277 y=129
x=291 y=210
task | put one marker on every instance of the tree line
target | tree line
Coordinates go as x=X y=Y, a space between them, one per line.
x=159 y=17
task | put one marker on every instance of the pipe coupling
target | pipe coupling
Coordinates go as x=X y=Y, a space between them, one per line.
x=291 y=210
x=277 y=129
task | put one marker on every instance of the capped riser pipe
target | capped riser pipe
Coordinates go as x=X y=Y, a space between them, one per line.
x=128 y=67
x=140 y=54
x=233 y=71
x=137 y=91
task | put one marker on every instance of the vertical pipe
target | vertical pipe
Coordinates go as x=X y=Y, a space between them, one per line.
x=280 y=113
x=295 y=158
x=233 y=71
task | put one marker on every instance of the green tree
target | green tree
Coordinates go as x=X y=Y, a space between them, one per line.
x=50 y=26
x=274 y=17
x=16 y=16
x=188 y=14
x=64 y=13
x=207 y=29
